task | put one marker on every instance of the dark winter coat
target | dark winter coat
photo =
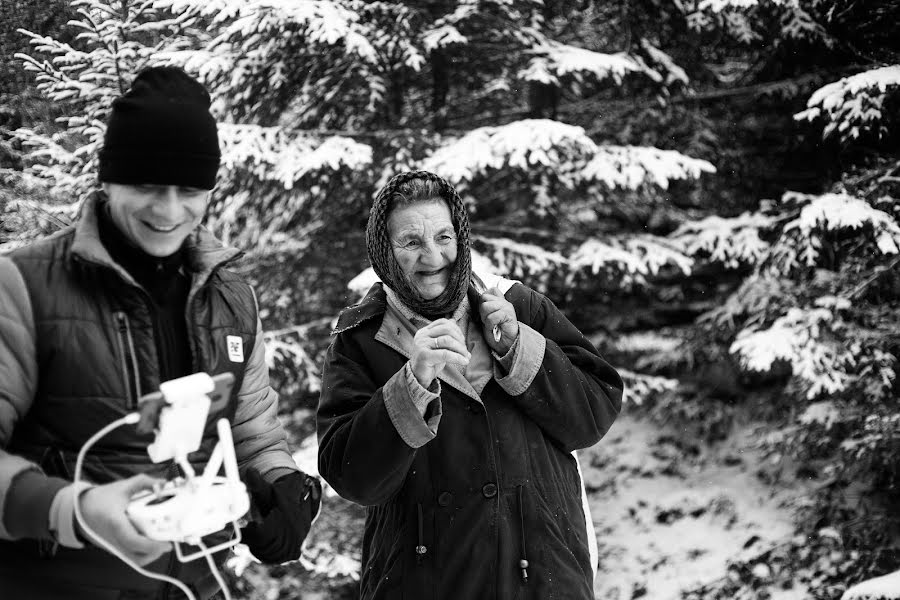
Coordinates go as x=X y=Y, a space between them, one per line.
x=496 y=484
x=76 y=351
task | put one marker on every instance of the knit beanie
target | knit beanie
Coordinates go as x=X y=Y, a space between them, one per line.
x=381 y=252
x=161 y=132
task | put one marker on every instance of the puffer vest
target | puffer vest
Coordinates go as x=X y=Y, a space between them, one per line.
x=96 y=356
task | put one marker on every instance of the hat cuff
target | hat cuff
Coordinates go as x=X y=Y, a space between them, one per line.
x=189 y=170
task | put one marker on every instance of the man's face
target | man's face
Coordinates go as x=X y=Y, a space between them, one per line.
x=156 y=218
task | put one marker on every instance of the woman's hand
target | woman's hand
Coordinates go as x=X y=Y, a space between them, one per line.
x=498 y=313
x=103 y=509
x=436 y=345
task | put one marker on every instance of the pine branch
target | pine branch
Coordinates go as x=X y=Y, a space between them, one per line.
x=860 y=289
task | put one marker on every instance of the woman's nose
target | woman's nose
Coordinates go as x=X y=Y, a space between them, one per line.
x=431 y=256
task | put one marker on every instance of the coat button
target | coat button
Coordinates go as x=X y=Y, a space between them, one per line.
x=489 y=490
x=445 y=499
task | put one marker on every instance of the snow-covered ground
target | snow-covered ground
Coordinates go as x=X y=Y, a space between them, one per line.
x=670 y=511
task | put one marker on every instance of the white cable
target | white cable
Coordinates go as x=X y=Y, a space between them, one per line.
x=214 y=569
x=129 y=419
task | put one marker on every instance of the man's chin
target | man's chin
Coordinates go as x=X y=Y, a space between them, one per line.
x=160 y=250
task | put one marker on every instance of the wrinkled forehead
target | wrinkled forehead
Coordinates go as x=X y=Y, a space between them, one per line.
x=422 y=216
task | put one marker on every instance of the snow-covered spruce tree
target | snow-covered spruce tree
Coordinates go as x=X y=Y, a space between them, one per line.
x=817 y=320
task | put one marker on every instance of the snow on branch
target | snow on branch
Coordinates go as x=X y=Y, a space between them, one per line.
x=323 y=22
x=554 y=60
x=520 y=259
x=640 y=387
x=273 y=154
x=441 y=36
x=291 y=351
x=886 y=587
x=565 y=151
x=723 y=5
x=630 y=167
x=672 y=71
x=520 y=145
x=830 y=212
x=796 y=338
x=632 y=258
x=852 y=106
x=28 y=220
x=730 y=241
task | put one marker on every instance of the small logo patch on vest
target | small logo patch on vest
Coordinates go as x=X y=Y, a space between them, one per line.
x=235 y=348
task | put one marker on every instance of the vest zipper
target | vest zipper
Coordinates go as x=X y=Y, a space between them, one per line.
x=128 y=361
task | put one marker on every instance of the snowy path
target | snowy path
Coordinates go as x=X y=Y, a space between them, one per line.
x=671 y=511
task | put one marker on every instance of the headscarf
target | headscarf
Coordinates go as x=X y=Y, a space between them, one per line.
x=381 y=252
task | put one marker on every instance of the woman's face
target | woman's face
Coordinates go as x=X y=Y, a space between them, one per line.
x=424 y=244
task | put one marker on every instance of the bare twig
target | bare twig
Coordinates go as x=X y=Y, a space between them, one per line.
x=879 y=271
x=300 y=330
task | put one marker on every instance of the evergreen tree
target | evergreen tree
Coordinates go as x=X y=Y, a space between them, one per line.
x=585 y=139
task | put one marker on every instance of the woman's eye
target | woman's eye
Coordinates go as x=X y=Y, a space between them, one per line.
x=411 y=244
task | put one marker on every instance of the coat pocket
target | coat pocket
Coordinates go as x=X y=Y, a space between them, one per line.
x=562 y=554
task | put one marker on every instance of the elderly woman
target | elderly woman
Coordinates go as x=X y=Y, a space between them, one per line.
x=451 y=412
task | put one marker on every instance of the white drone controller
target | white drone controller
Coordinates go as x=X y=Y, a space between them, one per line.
x=186 y=509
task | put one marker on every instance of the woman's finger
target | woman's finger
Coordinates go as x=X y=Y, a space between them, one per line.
x=448 y=328
x=446 y=356
x=496 y=315
x=446 y=342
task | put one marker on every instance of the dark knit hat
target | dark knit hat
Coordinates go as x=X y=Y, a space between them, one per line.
x=381 y=253
x=160 y=131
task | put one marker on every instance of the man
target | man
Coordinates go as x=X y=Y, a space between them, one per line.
x=133 y=294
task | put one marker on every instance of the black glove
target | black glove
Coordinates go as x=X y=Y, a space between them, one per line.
x=287 y=508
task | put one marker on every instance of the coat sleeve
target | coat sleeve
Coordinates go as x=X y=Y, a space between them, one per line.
x=260 y=442
x=369 y=435
x=25 y=492
x=559 y=380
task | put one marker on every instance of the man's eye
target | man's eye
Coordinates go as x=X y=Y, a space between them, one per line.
x=191 y=191
x=411 y=244
x=445 y=238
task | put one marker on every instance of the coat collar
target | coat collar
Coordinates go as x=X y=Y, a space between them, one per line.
x=205 y=252
x=373 y=304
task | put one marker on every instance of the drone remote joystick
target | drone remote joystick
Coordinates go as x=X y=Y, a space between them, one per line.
x=185 y=509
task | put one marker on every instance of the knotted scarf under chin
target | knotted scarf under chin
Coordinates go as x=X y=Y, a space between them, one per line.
x=381 y=252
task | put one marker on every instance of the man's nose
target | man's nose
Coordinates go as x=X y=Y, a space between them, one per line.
x=168 y=203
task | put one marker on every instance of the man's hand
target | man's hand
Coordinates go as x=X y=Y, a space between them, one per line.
x=497 y=312
x=103 y=509
x=288 y=508
x=436 y=345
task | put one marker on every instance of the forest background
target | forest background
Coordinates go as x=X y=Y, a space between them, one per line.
x=708 y=187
